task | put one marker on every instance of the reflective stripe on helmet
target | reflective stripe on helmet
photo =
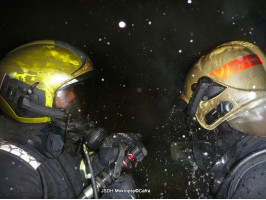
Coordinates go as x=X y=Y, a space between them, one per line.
x=13 y=149
x=237 y=65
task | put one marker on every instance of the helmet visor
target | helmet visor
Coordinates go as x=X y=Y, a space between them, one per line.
x=75 y=99
x=252 y=121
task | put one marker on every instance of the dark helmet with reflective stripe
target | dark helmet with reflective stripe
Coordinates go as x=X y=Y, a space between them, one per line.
x=229 y=84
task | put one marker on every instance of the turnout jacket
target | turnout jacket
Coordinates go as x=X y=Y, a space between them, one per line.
x=36 y=163
x=236 y=161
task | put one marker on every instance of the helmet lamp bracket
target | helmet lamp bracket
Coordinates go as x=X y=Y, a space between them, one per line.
x=25 y=103
x=27 y=100
x=205 y=89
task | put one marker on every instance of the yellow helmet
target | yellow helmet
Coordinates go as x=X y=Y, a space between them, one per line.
x=31 y=75
x=229 y=84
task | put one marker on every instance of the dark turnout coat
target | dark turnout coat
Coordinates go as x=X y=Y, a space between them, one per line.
x=236 y=161
x=36 y=163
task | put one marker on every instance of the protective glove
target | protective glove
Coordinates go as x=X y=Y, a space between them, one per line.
x=121 y=150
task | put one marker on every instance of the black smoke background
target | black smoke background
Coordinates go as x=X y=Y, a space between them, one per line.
x=142 y=66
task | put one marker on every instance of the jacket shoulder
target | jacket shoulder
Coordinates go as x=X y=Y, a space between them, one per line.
x=247 y=179
x=17 y=178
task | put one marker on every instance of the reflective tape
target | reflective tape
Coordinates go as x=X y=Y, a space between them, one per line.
x=82 y=167
x=237 y=65
x=13 y=149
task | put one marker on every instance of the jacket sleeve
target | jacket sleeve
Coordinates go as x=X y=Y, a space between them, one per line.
x=18 y=179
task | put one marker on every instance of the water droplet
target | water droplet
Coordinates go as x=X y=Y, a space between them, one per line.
x=189 y=1
x=102 y=79
x=180 y=51
x=191 y=40
x=122 y=24
x=11 y=188
x=149 y=22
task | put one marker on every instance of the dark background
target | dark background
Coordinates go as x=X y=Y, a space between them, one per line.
x=142 y=66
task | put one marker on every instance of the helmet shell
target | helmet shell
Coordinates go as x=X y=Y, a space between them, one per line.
x=238 y=66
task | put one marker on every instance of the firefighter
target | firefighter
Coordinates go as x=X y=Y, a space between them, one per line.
x=43 y=132
x=224 y=101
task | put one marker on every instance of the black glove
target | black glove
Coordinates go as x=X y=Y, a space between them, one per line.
x=120 y=150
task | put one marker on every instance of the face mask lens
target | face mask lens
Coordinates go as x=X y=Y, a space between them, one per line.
x=77 y=99
x=64 y=97
x=67 y=99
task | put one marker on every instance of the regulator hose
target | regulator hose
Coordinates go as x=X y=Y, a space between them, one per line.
x=93 y=181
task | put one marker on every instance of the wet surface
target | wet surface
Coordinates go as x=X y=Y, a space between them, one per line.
x=143 y=51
